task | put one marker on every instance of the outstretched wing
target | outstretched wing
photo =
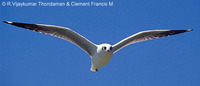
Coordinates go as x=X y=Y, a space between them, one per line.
x=145 y=35
x=60 y=32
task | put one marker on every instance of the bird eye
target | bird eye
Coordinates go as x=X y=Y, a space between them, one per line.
x=104 y=48
x=111 y=48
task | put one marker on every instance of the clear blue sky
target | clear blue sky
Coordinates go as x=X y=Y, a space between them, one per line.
x=29 y=58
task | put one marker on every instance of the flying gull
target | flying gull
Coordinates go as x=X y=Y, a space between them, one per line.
x=100 y=54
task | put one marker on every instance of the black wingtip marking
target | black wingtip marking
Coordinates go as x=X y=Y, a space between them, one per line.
x=22 y=25
x=4 y=21
x=180 y=31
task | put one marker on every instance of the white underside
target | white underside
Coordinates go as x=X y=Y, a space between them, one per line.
x=100 y=59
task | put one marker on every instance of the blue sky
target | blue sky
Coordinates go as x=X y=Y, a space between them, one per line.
x=29 y=58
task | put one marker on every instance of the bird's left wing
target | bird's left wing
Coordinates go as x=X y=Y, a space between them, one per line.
x=145 y=35
x=60 y=32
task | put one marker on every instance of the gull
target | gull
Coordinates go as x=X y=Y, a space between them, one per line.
x=100 y=54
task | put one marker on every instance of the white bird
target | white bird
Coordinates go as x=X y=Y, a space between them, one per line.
x=100 y=54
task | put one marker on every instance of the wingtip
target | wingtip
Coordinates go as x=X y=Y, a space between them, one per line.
x=8 y=22
x=189 y=30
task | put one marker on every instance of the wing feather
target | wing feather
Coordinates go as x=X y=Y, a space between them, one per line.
x=60 y=32
x=145 y=35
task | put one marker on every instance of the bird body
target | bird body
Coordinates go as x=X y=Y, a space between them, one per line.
x=101 y=57
x=100 y=54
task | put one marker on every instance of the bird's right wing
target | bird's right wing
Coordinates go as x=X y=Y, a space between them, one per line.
x=60 y=32
x=145 y=35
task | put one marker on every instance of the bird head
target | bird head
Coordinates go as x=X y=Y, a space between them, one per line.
x=106 y=47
